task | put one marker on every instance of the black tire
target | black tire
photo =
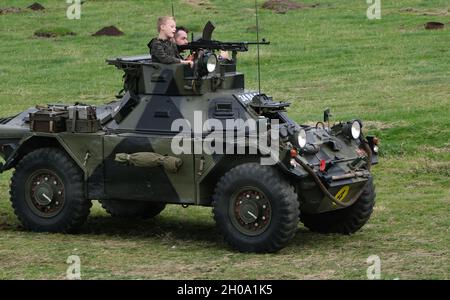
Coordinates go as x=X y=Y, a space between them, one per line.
x=49 y=171
x=132 y=209
x=345 y=221
x=266 y=196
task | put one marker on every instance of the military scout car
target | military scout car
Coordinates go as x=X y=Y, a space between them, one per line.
x=126 y=154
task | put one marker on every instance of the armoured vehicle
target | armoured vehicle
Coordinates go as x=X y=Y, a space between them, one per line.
x=177 y=135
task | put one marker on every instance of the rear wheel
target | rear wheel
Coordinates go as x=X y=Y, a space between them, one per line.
x=255 y=208
x=47 y=192
x=347 y=220
x=132 y=209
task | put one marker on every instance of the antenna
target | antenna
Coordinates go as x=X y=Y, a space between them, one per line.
x=173 y=11
x=257 y=44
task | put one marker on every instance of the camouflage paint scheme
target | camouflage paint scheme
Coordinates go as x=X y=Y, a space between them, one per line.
x=154 y=96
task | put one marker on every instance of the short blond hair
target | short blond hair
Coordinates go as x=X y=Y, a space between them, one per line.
x=163 y=20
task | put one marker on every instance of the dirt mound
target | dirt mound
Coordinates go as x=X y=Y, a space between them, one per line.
x=283 y=6
x=10 y=10
x=53 y=32
x=197 y=3
x=434 y=25
x=109 y=31
x=36 y=6
x=201 y=4
x=435 y=12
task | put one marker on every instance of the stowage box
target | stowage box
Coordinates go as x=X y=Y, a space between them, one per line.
x=48 y=121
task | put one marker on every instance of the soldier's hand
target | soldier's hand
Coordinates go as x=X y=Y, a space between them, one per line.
x=188 y=62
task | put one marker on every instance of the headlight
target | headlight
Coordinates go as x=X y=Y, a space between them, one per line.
x=356 y=130
x=352 y=129
x=211 y=63
x=301 y=138
x=207 y=64
x=376 y=149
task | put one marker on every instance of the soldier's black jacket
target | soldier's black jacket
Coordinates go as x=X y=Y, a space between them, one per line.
x=164 y=51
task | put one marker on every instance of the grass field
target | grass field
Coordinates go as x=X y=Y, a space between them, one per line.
x=391 y=73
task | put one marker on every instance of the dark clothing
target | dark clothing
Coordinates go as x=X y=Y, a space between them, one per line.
x=164 y=51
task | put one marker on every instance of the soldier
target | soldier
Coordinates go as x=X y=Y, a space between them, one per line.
x=162 y=48
x=181 y=39
x=181 y=36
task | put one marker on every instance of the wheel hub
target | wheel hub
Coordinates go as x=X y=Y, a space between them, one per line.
x=45 y=193
x=251 y=211
x=248 y=212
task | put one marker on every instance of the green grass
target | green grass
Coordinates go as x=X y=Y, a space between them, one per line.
x=392 y=73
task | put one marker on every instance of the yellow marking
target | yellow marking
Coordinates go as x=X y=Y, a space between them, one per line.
x=342 y=193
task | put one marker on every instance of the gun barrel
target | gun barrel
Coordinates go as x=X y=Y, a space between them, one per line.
x=225 y=46
x=259 y=43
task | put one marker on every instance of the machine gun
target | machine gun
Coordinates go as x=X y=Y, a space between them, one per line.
x=224 y=46
x=206 y=43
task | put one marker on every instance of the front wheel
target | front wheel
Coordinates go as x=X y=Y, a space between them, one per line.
x=47 y=192
x=255 y=208
x=347 y=220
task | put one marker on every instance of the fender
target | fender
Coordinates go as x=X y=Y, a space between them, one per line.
x=36 y=141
